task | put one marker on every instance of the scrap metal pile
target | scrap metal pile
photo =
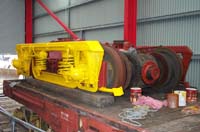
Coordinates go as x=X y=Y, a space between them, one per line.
x=92 y=66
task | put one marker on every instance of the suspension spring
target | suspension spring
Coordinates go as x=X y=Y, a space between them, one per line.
x=41 y=63
x=66 y=64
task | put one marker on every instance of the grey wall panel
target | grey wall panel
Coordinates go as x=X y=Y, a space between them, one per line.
x=105 y=35
x=180 y=31
x=54 y=5
x=11 y=25
x=193 y=76
x=73 y=2
x=97 y=13
x=154 y=8
x=49 y=38
x=48 y=24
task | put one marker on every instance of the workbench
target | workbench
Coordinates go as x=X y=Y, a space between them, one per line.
x=68 y=114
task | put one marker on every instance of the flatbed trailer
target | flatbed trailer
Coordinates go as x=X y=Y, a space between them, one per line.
x=66 y=114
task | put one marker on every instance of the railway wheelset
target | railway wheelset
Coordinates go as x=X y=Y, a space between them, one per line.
x=158 y=69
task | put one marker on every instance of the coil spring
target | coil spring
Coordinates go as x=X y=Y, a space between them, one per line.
x=66 y=63
x=41 y=63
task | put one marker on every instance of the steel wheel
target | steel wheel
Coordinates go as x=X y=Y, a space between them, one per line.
x=115 y=67
x=136 y=70
x=170 y=67
x=129 y=70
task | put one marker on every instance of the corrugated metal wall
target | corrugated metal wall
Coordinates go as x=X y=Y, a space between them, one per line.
x=89 y=19
x=11 y=25
x=171 y=22
x=160 y=22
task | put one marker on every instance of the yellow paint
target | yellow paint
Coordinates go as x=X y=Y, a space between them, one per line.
x=116 y=91
x=79 y=67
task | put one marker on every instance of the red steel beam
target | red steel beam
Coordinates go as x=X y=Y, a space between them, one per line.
x=28 y=21
x=72 y=34
x=130 y=21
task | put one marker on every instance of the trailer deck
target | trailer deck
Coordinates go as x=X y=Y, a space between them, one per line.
x=64 y=113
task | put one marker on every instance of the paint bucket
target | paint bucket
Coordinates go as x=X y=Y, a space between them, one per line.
x=191 y=95
x=172 y=100
x=136 y=92
x=181 y=97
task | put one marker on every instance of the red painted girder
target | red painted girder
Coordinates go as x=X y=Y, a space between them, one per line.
x=130 y=21
x=28 y=21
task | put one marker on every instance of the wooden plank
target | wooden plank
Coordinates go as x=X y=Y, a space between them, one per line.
x=95 y=99
x=162 y=116
x=186 y=124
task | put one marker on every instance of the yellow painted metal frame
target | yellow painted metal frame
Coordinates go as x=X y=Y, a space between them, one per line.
x=79 y=67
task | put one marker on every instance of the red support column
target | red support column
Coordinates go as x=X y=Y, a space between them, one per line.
x=130 y=21
x=28 y=21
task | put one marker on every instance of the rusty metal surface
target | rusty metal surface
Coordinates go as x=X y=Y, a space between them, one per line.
x=168 y=71
x=49 y=104
x=109 y=115
x=171 y=69
x=129 y=70
x=184 y=51
x=167 y=64
x=136 y=73
x=116 y=72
